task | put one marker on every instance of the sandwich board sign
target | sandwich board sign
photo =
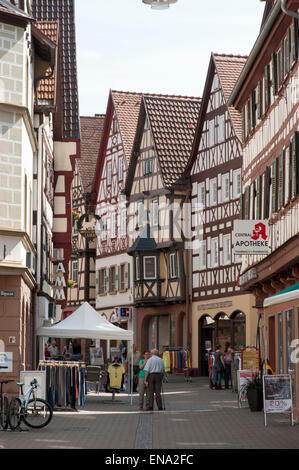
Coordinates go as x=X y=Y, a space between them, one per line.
x=243 y=377
x=278 y=395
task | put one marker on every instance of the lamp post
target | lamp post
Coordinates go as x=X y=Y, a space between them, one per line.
x=159 y=4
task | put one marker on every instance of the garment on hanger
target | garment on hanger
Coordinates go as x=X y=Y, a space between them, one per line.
x=115 y=376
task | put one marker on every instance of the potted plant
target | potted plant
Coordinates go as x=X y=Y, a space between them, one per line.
x=70 y=283
x=75 y=214
x=253 y=388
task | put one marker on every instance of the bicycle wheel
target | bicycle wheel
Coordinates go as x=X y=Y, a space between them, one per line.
x=14 y=413
x=38 y=413
x=4 y=413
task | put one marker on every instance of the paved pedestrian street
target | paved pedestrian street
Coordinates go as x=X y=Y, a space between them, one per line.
x=195 y=417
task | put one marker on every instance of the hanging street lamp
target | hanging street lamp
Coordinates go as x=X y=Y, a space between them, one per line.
x=159 y=4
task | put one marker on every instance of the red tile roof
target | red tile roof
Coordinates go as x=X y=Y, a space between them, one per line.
x=46 y=90
x=229 y=68
x=173 y=124
x=91 y=134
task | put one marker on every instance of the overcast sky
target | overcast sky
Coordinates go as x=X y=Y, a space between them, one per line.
x=125 y=45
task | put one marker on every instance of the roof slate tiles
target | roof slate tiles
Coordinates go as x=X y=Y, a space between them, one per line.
x=91 y=135
x=173 y=123
x=63 y=11
x=229 y=68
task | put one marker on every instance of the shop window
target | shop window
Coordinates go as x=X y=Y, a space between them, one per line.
x=280 y=346
x=289 y=332
x=238 y=331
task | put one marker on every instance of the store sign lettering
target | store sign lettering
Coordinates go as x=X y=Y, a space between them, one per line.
x=60 y=282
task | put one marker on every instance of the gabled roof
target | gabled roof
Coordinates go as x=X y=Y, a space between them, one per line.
x=46 y=90
x=127 y=106
x=64 y=12
x=173 y=123
x=228 y=68
x=92 y=128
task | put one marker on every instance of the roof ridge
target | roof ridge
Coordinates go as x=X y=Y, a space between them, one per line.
x=154 y=95
x=235 y=56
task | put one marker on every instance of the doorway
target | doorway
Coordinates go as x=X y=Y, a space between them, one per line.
x=206 y=332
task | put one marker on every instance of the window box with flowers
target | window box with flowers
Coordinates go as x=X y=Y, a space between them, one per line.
x=70 y=283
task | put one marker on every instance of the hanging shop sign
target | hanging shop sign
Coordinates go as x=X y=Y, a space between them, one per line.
x=251 y=237
x=278 y=395
x=121 y=314
x=6 y=362
x=243 y=377
x=250 y=358
x=208 y=345
x=87 y=225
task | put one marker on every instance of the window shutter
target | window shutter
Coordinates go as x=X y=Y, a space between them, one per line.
x=267 y=192
x=274 y=72
x=295 y=165
x=243 y=125
x=267 y=86
x=248 y=117
x=97 y=282
x=287 y=52
x=280 y=180
x=274 y=186
x=241 y=206
x=107 y=287
x=253 y=196
x=117 y=278
x=260 y=99
x=258 y=197
x=253 y=109
x=127 y=275
x=290 y=171
x=247 y=202
x=295 y=40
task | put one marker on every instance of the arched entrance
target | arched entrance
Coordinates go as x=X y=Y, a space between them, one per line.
x=206 y=332
x=223 y=329
x=238 y=326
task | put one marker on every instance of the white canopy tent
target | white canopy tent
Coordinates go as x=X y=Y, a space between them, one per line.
x=86 y=322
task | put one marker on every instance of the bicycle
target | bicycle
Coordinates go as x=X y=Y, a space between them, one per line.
x=4 y=404
x=35 y=412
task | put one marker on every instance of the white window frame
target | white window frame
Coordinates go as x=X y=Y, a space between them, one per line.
x=123 y=222
x=202 y=255
x=211 y=127
x=173 y=266
x=237 y=183
x=214 y=252
x=109 y=173
x=113 y=225
x=104 y=228
x=148 y=166
x=120 y=169
x=226 y=249
x=213 y=192
x=225 y=187
x=75 y=270
x=221 y=128
x=201 y=195
x=144 y=267
x=155 y=212
x=137 y=268
x=140 y=212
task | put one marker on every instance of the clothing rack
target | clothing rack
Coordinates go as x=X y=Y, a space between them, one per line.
x=176 y=358
x=65 y=383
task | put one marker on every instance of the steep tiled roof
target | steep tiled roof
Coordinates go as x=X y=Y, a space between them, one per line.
x=91 y=134
x=46 y=90
x=63 y=11
x=173 y=124
x=127 y=106
x=229 y=68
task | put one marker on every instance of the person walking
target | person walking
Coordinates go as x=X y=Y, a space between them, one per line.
x=142 y=388
x=154 y=372
x=218 y=367
x=228 y=359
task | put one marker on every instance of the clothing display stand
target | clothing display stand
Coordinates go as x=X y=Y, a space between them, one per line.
x=65 y=383
x=177 y=359
x=115 y=376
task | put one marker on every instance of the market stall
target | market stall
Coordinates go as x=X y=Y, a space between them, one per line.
x=86 y=323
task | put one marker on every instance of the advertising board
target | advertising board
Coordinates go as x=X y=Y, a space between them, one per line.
x=278 y=394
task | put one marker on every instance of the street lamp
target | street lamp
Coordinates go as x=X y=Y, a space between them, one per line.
x=159 y=4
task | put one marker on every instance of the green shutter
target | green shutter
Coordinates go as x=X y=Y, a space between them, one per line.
x=274 y=72
x=274 y=186
x=127 y=275
x=243 y=125
x=295 y=40
x=267 y=86
x=253 y=196
x=295 y=165
x=97 y=282
x=117 y=278
x=290 y=171
x=260 y=100
x=241 y=206
x=253 y=109
x=247 y=202
x=267 y=192
x=280 y=180
x=248 y=117
x=258 y=197
x=107 y=276
x=287 y=52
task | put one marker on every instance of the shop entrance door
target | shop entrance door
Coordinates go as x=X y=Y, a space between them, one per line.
x=206 y=332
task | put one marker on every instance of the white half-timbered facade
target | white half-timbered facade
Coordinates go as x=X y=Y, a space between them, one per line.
x=158 y=219
x=220 y=311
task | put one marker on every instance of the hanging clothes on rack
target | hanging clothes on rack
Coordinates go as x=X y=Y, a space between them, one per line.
x=65 y=383
x=176 y=359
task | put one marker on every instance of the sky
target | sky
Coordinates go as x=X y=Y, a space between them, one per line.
x=125 y=45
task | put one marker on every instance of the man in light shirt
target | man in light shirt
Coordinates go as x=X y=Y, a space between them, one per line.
x=154 y=372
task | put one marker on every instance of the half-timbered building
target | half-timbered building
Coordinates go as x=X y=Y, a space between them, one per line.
x=114 y=298
x=220 y=312
x=158 y=220
x=266 y=94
